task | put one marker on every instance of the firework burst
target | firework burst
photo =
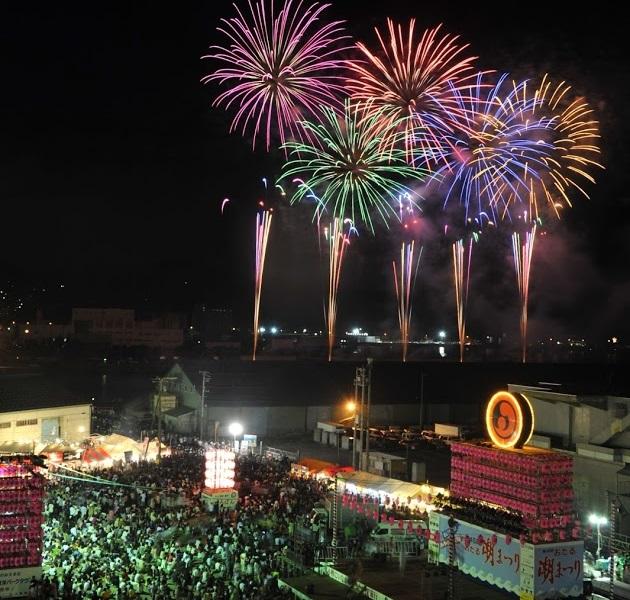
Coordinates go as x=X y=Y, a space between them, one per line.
x=523 y=251
x=404 y=282
x=263 y=227
x=349 y=167
x=415 y=80
x=559 y=137
x=279 y=67
x=338 y=240
x=462 y=259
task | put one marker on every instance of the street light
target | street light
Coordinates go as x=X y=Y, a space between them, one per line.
x=598 y=521
x=235 y=430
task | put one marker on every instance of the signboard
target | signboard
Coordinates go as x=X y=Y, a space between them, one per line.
x=433 y=557
x=482 y=554
x=221 y=499
x=509 y=420
x=527 y=572
x=14 y=583
x=558 y=569
x=531 y=572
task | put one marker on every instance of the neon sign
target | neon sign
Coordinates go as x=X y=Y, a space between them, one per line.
x=509 y=420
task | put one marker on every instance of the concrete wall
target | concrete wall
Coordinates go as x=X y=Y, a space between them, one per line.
x=551 y=418
x=74 y=423
x=591 y=480
x=270 y=420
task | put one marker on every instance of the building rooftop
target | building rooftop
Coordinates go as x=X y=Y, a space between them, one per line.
x=32 y=390
x=179 y=411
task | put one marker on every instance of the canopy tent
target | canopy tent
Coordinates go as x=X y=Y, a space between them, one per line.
x=149 y=449
x=415 y=495
x=10 y=447
x=117 y=445
x=61 y=446
x=95 y=455
x=322 y=468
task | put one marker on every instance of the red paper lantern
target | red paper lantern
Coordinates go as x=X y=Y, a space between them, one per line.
x=383 y=518
x=480 y=540
x=427 y=533
x=494 y=539
x=400 y=524
x=466 y=541
x=508 y=539
x=437 y=537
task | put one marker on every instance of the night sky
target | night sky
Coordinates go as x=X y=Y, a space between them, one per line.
x=113 y=167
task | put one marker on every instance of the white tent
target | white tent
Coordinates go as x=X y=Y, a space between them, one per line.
x=416 y=495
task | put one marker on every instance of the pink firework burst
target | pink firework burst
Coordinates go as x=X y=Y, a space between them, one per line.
x=279 y=67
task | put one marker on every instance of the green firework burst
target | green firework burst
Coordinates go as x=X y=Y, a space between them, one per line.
x=354 y=162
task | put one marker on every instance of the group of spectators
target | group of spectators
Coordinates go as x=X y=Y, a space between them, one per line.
x=140 y=530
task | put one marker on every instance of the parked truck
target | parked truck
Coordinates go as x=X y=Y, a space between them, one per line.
x=451 y=432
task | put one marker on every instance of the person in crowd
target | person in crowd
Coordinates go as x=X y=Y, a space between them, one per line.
x=122 y=539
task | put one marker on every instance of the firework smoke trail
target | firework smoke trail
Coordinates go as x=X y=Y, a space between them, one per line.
x=279 y=67
x=337 y=242
x=263 y=226
x=404 y=290
x=462 y=259
x=523 y=251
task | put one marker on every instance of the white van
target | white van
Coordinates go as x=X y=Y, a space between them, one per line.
x=392 y=540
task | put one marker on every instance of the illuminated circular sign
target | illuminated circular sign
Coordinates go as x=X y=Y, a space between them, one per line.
x=509 y=420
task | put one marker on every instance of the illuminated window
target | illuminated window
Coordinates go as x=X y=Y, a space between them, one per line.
x=26 y=422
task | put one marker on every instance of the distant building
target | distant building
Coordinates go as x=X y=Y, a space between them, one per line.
x=120 y=327
x=36 y=410
x=595 y=430
x=179 y=402
x=212 y=324
x=44 y=425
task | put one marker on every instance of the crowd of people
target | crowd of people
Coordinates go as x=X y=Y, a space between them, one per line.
x=141 y=531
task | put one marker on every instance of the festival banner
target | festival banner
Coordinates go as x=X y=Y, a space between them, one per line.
x=529 y=571
x=14 y=583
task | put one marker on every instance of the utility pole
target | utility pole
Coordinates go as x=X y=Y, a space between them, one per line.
x=452 y=560
x=361 y=375
x=355 y=419
x=369 y=406
x=158 y=405
x=205 y=376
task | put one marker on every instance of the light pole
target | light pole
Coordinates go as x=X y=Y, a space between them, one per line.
x=205 y=376
x=598 y=521
x=235 y=430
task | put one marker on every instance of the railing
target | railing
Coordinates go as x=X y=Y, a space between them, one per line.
x=330 y=553
x=397 y=547
x=621 y=542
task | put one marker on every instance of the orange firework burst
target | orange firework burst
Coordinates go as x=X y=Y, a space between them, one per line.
x=561 y=127
x=416 y=79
